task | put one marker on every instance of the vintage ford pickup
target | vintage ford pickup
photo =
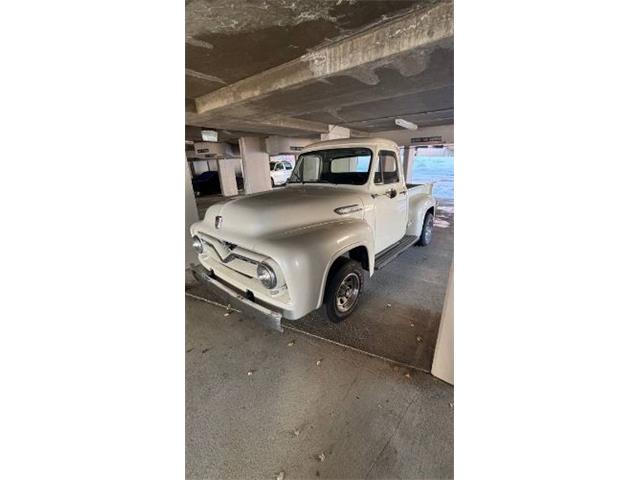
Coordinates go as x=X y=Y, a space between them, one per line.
x=345 y=213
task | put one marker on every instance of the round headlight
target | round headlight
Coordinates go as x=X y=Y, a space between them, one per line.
x=197 y=245
x=267 y=276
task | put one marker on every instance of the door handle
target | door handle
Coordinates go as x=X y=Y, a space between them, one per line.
x=403 y=192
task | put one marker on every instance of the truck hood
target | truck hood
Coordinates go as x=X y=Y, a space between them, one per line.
x=282 y=209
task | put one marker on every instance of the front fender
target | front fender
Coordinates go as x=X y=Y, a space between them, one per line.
x=306 y=254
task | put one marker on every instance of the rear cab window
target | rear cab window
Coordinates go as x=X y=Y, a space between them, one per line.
x=386 y=171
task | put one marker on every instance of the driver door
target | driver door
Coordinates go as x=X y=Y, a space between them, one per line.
x=390 y=197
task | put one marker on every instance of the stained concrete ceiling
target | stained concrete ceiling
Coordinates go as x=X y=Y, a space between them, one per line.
x=233 y=46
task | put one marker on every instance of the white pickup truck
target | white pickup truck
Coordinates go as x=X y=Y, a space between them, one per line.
x=345 y=213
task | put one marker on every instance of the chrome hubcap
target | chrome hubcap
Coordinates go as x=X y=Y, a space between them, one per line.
x=348 y=292
x=428 y=229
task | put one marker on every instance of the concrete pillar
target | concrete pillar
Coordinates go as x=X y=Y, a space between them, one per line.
x=190 y=215
x=442 y=366
x=335 y=132
x=407 y=162
x=227 y=177
x=255 y=165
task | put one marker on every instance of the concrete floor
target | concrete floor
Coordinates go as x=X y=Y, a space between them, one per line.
x=399 y=313
x=362 y=414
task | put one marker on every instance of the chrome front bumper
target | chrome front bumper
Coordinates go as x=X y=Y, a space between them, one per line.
x=236 y=299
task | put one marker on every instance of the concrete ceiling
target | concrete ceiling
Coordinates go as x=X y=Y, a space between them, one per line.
x=292 y=67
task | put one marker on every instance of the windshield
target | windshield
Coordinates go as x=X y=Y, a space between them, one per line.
x=346 y=166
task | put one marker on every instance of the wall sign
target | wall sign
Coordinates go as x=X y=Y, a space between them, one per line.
x=436 y=139
x=295 y=149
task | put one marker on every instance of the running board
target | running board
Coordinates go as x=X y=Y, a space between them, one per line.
x=393 y=251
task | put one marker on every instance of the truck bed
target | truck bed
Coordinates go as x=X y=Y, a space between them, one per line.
x=414 y=188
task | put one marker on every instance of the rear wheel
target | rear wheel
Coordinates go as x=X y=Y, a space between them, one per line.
x=344 y=288
x=427 y=230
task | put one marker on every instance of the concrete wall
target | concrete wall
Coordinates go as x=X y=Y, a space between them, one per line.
x=402 y=136
x=276 y=144
x=221 y=149
x=200 y=166
x=190 y=215
x=442 y=366
x=434 y=152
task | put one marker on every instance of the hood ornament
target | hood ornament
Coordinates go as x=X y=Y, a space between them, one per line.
x=218 y=223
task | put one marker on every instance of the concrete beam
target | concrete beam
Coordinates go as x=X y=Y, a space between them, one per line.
x=256 y=125
x=359 y=134
x=335 y=132
x=403 y=137
x=296 y=124
x=277 y=144
x=417 y=29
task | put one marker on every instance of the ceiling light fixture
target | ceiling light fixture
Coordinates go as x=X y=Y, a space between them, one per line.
x=404 y=124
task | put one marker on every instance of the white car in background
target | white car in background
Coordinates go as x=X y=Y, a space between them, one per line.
x=280 y=172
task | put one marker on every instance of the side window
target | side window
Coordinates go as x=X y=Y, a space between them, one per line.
x=287 y=165
x=279 y=167
x=389 y=165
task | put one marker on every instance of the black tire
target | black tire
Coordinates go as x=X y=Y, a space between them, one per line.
x=273 y=184
x=426 y=234
x=343 y=270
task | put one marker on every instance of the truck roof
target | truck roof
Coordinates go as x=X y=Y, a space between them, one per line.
x=352 y=142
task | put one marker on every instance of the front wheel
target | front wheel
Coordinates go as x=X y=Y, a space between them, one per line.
x=427 y=230
x=343 y=291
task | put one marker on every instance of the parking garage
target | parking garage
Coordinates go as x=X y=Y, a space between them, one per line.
x=370 y=396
